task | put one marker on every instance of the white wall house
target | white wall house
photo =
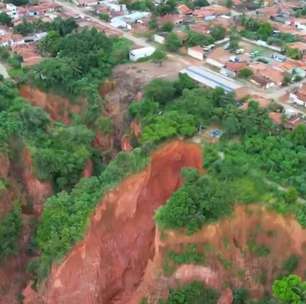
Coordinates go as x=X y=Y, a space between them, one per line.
x=196 y=52
x=215 y=63
x=11 y=10
x=159 y=39
x=296 y=100
x=137 y=54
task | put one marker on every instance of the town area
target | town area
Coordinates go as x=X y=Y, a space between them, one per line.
x=255 y=49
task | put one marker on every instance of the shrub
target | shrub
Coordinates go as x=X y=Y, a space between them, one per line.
x=10 y=228
x=198 y=202
x=290 y=264
x=195 y=293
x=245 y=73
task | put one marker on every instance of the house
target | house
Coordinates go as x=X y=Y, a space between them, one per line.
x=200 y=27
x=183 y=9
x=196 y=52
x=172 y=18
x=83 y=3
x=300 y=24
x=11 y=10
x=9 y=39
x=218 y=57
x=135 y=17
x=272 y=76
x=299 y=96
x=211 y=12
x=159 y=38
x=266 y=76
x=140 y=53
x=293 y=122
x=235 y=67
x=118 y=22
x=223 y=20
x=114 y=7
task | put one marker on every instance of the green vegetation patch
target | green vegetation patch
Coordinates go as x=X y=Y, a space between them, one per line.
x=10 y=228
x=202 y=199
x=193 y=293
x=66 y=215
x=190 y=254
x=259 y=250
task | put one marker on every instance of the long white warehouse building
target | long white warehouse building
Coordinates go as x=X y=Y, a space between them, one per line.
x=211 y=79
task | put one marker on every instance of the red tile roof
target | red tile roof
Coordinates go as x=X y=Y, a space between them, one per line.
x=184 y=9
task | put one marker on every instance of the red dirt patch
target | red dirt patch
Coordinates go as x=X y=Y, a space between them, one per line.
x=233 y=250
x=108 y=265
x=58 y=107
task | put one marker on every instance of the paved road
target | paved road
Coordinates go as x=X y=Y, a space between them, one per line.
x=3 y=71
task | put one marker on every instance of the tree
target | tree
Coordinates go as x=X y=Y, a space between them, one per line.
x=159 y=90
x=290 y=290
x=50 y=43
x=240 y=296
x=194 y=204
x=200 y=3
x=218 y=33
x=298 y=135
x=173 y=43
x=10 y=228
x=265 y=30
x=286 y=80
x=153 y=25
x=167 y=27
x=234 y=41
x=293 y=53
x=195 y=38
x=5 y=19
x=104 y=17
x=64 y=26
x=158 y=56
x=228 y=3
x=245 y=73
x=192 y=293
x=291 y=196
x=166 y=7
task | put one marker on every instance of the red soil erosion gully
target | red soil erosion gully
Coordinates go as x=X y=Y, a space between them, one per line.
x=108 y=265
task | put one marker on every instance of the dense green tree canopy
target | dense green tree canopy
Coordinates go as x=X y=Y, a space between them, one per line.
x=290 y=290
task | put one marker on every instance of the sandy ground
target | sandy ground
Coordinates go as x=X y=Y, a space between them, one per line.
x=3 y=71
x=148 y=71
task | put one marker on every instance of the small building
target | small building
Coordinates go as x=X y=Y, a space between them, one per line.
x=172 y=18
x=196 y=52
x=183 y=9
x=159 y=38
x=299 y=96
x=137 y=54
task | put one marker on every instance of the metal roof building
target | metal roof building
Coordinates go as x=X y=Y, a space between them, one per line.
x=211 y=79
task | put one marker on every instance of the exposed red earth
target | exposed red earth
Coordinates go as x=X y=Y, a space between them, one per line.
x=108 y=265
x=59 y=108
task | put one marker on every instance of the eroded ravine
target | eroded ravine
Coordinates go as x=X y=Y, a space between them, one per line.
x=108 y=265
